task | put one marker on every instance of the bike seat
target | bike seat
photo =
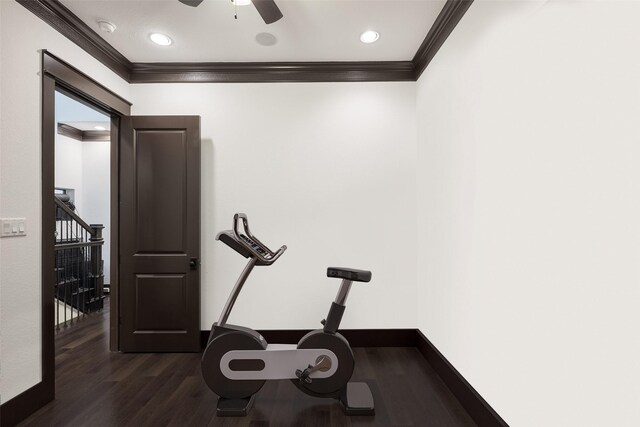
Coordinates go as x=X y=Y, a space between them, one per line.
x=349 y=274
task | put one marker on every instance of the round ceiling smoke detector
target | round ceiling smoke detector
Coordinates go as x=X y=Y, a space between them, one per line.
x=266 y=39
x=106 y=26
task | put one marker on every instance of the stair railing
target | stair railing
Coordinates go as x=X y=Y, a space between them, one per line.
x=79 y=266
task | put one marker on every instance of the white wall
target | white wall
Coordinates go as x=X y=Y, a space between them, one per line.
x=329 y=170
x=69 y=166
x=529 y=200
x=22 y=34
x=96 y=188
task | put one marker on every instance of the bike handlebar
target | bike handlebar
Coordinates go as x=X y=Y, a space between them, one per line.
x=252 y=244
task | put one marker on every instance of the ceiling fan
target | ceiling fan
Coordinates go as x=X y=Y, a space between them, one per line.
x=267 y=9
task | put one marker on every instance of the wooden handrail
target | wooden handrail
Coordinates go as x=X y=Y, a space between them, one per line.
x=59 y=246
x=73 y=215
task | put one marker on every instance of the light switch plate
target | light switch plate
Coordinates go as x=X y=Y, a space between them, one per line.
x=13 y=227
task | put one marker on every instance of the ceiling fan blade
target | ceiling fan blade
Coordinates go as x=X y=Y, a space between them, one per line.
x=192 y=3
x=268 y=10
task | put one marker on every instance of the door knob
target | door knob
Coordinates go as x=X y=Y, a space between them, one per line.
x=193 y=263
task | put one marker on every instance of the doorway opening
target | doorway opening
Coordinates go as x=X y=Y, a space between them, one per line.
x=82 y=210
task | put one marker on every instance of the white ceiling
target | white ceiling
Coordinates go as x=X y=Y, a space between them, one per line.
x=69 y=110
x=311 y=30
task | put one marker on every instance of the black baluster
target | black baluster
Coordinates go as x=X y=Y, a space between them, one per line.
x=64 y=255
x=82 y=254
x=85 y=303
x=56 y=298
x=74 y=280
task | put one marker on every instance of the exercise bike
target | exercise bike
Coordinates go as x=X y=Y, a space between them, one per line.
x=238 y=360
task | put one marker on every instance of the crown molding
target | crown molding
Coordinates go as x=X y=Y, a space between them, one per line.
x=83 y=135
x=96 y=135
x=447 y=20
x=69 y=131
x=254 y=72
x=68 y=24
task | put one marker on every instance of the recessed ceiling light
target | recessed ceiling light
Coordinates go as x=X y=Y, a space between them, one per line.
x=100 y=128
x=160 y=39
x=241 y=2
x=369 y=36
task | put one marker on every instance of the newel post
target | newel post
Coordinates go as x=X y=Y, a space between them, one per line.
x=97 y=273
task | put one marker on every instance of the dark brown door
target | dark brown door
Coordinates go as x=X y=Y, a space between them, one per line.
x=160 y=233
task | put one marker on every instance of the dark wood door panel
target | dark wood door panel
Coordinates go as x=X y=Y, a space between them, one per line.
x=161 y=302
x=161 y=172
x=159 y=234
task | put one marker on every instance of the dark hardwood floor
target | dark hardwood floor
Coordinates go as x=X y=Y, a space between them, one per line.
x=97 y=388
